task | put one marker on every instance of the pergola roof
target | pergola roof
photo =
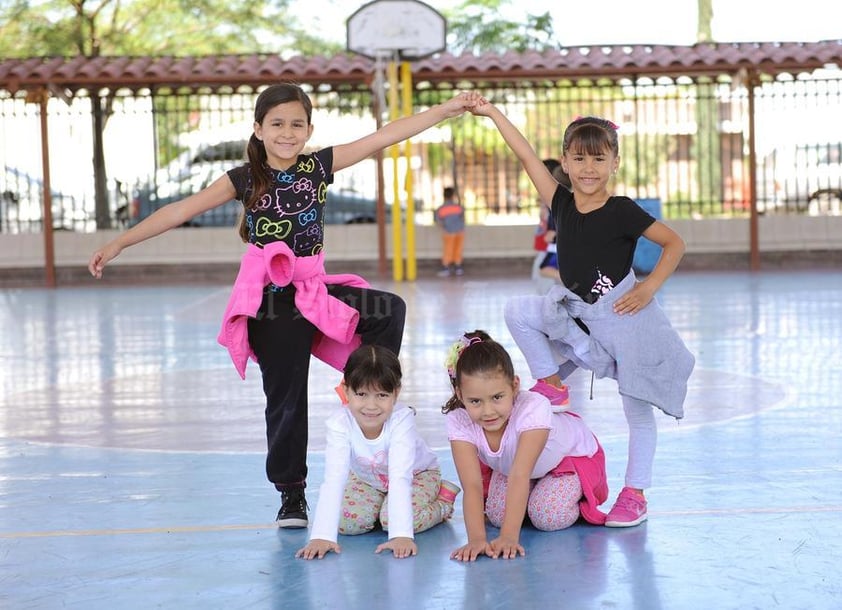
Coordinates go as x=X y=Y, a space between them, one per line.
x=72 y=74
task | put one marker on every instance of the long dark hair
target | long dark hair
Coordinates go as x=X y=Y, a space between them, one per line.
x=476 y=352
x=261 y=180
x=373 y=366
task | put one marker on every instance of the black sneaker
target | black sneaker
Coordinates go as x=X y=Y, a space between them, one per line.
x=293 y=511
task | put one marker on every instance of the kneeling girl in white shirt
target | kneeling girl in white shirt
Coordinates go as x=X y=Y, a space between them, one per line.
x=378 y=469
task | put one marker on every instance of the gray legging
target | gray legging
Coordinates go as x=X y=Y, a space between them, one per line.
x=524 y=320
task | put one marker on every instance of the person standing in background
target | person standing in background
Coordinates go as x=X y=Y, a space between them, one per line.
x=450 y=216
x=545 y=266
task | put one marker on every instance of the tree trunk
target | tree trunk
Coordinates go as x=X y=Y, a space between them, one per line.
x=704 y=32
x=102 y=208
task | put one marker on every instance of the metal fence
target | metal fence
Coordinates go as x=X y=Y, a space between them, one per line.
x=684 y=142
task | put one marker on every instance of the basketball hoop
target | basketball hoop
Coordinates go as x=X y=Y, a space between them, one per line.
x=393 y=31
x=383 y=29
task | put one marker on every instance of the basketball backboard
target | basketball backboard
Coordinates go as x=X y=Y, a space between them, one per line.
x=409 y=27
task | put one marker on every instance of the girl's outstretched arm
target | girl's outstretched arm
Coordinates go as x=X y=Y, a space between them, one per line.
x=473 y=504
x=529 y=446
x=345 y=155
x=538 y=173
x=163 y=219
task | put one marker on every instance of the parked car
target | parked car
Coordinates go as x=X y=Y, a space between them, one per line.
x=804 y=178
x=191 y=173
x=21 y=205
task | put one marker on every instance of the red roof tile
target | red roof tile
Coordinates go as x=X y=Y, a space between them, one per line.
x=613 y=62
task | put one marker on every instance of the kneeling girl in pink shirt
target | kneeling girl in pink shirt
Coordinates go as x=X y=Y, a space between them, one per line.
x=515 y=455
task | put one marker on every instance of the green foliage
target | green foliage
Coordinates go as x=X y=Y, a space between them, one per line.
x=172 y=117
x=68 y=28
x=706 y=145
x=476 y=27
x=27 y=32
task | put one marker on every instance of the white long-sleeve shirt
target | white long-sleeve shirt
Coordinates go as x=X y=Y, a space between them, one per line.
x=387 y=463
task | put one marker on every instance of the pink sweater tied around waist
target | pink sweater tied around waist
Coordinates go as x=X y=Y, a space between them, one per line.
x=275 y=263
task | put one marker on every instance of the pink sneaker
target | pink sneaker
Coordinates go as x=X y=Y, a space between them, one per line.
x=629 y=509
x=557 y=395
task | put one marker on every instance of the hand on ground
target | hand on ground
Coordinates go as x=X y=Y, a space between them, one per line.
x=317 y=549
x=400 y=547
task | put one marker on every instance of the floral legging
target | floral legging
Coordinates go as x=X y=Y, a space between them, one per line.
x=553 y=502
x=364 y=506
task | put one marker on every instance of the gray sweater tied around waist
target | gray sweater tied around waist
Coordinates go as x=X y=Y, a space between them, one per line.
x=642 y=351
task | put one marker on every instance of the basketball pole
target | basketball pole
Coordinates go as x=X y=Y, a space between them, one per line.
x=394 y=152
x=411 y=266
x=379 y=106
x=407 y=29
x=400 y=84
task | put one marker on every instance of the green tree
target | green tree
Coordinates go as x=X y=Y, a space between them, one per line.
x=93 y=28
x=706 y=149
x=32 y=28
x=475 y=26
x=704 y=29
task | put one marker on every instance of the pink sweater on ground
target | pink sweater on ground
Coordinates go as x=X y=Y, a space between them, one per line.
x=275 y=263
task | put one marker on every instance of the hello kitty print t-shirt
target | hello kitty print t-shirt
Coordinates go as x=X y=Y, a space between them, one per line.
x=596 y=249
x=293 y=210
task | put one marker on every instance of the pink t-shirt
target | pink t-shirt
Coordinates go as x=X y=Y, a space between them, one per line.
x=569 y=436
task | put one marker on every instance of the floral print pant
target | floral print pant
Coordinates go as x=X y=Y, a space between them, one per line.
x=553 y=502
x=363 y=506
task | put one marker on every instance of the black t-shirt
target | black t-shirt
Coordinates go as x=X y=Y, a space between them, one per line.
x=293 y=210
x=595 y=250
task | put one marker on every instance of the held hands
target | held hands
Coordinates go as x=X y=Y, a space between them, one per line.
x=634 y=300
x=317 y=549
x=481 y=106
x=458 y=104
x=400 y=547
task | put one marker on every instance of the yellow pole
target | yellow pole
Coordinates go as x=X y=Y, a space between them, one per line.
x=394 y=151
x=411 y=266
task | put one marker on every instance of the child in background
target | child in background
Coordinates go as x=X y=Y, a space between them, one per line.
x=545 y=266
x=450 y=216
x=601 y=318
x=377 y=467
x=284 y=306
x=544 y=464
x=544 y=263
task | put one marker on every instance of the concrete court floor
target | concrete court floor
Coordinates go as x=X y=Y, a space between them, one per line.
x=131 y=460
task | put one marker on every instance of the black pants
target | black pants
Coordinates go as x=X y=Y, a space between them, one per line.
x=281 y=339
